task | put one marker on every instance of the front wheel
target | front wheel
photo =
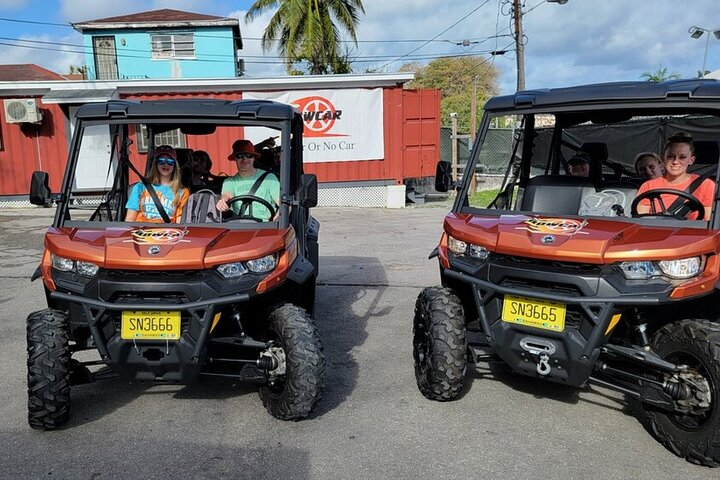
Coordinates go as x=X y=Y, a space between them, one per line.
x=48 y=369
x=439 y=344
x=693 y=430
x=297 y=381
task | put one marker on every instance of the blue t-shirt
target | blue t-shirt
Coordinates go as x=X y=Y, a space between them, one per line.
x=141 y=201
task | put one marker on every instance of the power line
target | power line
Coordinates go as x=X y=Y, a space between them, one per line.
x=69 y=25
x=436 y=36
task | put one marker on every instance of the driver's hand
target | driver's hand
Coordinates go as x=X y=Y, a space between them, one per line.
x=221 y=205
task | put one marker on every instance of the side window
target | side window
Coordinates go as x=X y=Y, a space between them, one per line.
x=168 y=46
x=501 y=146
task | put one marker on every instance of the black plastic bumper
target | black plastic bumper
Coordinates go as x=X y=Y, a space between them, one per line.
x=151 y=360
x=591 y=297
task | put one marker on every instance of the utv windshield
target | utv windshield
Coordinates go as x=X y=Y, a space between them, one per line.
x=596 y=164
x=184 y=172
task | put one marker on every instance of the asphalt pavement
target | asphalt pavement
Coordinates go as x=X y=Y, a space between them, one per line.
x=372 y=422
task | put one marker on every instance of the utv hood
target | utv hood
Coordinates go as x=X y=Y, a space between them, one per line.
x=162 y=248
x=589 y=240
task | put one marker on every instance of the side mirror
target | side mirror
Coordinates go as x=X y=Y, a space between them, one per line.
x=308 y=191
x=443 y=176
x=39 y=189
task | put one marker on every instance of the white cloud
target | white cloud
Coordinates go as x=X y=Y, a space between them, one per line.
x=13 y=4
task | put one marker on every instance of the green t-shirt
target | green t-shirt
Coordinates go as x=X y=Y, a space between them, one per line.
x=268 y=190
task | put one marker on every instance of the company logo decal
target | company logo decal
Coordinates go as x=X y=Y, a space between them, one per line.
x=319 y=116
x=157 y=236
x=554 y=226
x=547 y=239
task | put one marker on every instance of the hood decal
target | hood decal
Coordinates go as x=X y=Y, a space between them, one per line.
x=554 y=226
x=157 y=236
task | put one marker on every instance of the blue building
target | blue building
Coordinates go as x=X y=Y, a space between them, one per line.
x=161 y=44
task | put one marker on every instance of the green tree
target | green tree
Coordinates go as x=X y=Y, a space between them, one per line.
x=309 y=30
x=457 y=78
x=660 y=75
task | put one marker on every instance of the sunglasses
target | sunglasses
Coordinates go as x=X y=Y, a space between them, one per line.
x=244 y=155
x=165 y=161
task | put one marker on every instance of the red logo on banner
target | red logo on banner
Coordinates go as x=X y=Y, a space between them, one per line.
x=319 y=116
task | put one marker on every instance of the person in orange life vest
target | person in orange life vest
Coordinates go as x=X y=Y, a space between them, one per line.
x=165 y=178
x=678 y=155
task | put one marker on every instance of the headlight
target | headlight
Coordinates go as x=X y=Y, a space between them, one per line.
x=86 y=269
x=456 y=246
x=62 y=264
x=676 y=269
x=685 y=268
x=262 y=265
x=232 y=270
x=476 y=251
x=639 y=270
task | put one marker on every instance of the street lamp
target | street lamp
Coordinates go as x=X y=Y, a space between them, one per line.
x=697 y=32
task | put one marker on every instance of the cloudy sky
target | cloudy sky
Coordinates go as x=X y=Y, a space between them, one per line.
x=582 y=41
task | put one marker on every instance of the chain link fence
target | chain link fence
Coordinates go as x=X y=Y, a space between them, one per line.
x=494 y=157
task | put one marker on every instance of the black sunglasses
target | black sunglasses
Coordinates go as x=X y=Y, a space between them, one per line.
x=244 y=155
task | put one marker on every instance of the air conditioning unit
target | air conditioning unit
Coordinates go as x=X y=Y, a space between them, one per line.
x=22 y=110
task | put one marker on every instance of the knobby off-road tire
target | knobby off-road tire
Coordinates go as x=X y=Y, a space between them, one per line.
x=48 y=369
x=695 y=343
x=292 y=397
x=439 y=344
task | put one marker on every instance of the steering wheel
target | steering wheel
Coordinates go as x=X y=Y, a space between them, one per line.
x=247 y=201
x=692 y=203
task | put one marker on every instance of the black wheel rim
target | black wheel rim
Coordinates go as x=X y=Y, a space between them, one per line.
x=694 y=422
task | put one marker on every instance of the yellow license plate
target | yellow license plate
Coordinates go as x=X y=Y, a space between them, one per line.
x=149 y=325
x=534 y=313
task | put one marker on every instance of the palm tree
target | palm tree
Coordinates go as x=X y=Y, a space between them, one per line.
x=308 y=30
x=660 y=75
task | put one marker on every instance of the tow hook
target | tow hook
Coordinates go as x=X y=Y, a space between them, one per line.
x=539 y=347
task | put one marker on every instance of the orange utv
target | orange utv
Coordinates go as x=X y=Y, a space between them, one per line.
x=211 y=294
x=562 y=279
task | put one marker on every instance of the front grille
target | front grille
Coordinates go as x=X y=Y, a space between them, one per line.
x=150 y=298
x=541 y=286
x=550 y=265
x=123 y=274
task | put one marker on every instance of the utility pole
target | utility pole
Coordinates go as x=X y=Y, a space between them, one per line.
x=453 y=119
x=519 y=45
x=473 y=115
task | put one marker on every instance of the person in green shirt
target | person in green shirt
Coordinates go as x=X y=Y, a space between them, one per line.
x=244 y=155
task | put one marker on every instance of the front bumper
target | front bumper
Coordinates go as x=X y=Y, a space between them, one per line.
x=97 y=305
x=593 y=295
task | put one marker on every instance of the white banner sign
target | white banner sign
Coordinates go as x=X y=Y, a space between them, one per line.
x=340 y=125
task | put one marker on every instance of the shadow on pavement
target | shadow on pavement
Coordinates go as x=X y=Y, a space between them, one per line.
x=350 y=293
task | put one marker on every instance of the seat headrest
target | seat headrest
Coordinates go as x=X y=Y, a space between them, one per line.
x=598 y=151
x=706 y=152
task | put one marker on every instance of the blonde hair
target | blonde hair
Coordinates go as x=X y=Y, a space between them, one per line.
x=175 y=182
x=643 y=155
